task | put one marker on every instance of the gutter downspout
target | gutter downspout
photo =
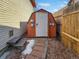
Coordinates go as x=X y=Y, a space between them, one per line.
x=33 y=4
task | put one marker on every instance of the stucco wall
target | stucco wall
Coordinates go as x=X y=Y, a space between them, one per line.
x=13 y=14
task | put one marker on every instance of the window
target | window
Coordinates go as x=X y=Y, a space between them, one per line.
x=32 y=23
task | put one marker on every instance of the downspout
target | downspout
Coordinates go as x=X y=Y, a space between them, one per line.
x=33 y=4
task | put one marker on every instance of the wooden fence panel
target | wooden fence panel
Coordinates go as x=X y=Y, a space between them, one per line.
x=78 y=26
x=70 y=24
x=70 y=31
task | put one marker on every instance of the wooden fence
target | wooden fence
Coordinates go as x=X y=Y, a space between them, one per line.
x=70 y=31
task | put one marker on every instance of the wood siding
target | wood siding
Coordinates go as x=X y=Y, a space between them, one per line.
x=51 y=29
x=31 y=30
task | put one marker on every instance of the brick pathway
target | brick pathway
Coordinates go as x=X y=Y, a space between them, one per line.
x=56 y=50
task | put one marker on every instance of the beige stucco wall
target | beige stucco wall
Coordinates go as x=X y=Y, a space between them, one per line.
x=13 y=14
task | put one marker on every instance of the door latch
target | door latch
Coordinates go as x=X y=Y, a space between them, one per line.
x=36 y=24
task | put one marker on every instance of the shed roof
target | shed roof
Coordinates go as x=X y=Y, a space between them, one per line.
x=42 y=10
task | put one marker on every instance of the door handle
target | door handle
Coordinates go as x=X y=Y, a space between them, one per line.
x=36 y=24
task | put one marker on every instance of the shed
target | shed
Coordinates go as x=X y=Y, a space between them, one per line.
x=41 y=24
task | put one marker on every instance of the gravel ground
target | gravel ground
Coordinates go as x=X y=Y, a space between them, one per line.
x=56 y=50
